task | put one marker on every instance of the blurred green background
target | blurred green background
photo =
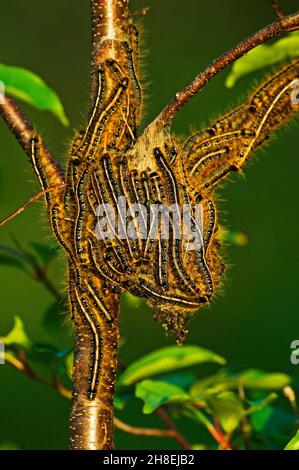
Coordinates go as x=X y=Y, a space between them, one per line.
x=254 y=319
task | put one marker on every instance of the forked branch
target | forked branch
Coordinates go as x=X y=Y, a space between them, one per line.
x=282 y=25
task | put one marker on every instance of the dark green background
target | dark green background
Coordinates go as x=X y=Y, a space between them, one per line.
x=254 y=319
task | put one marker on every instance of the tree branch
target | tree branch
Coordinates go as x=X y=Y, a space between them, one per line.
x=109 y=21
x=109 y=27
x=282 y=25
x=25 y=134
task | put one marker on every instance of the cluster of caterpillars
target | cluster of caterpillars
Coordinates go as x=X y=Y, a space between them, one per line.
x=108 y=160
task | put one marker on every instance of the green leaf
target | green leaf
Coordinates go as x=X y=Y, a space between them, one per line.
x=25 y=85
x=257 y=379
x=45 y=252
x=17 y=335
x=232 y=237
x=132 y=301
x=212 y=384
x=294 y=443
x=196 y=415
x=166 y=360
x=258 y=405
x=249 y=379
x=263 y=56
x=181 y=380
x=228 y=408
x=155 y=393
x=120 y=401
x=37 y=354
x=261 y=418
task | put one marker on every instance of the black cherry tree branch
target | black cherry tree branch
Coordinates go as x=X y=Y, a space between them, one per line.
x=282 y=25
x=25 y=134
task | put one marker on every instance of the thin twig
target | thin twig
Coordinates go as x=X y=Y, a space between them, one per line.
x=31 y=201
x=171 y=426
x=219 y=437
x=21 y=364
x=244 y=421
x=277 y=9
x=143 y=431
x=283 y=25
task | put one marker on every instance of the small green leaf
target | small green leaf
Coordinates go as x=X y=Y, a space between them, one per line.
x=155 y=393
x=27 y=86
x=166 y=360
x=249 y=379
x=294 y=443
x=120 y=401
x=17 y=335
x=258 y=405
x=232 y=237
x=212 y=384
x=263 y=56
x=257 y=379
x=133 y=301
x=228 y=408
x=193 y=413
